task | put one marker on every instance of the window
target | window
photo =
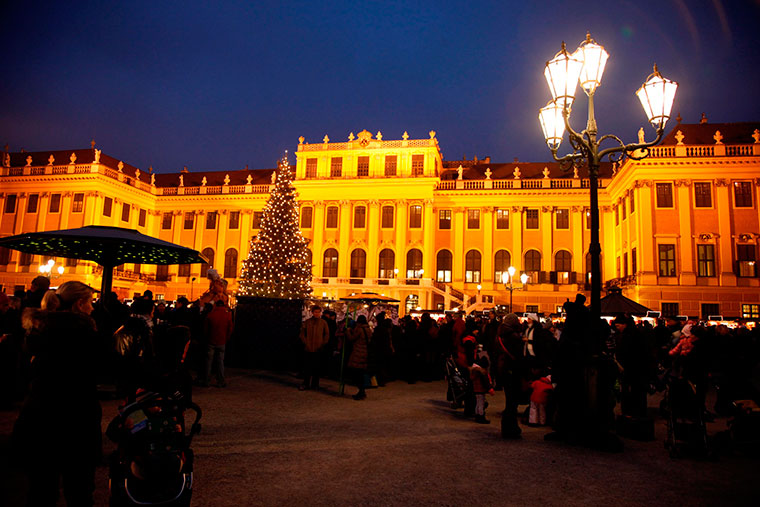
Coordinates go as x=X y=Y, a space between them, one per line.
x=634 y=262
x=5 y=256
x=142 y=217
x=211 y=220
x=415 y=217
x=563 y=261
x=387 y=264
x=362 y=168
x=387 y=222
x=330 y=264
x=390 y=165
x=77 y=205
x=306 y=214
x=33 y=202
x=166 y=220
x=705 y=260
x=617 y=266
x=472 y=267
x=234 y=220
x=184 y=270
x=444 y=219
x=563 y=218
x=633 y=204
x=414 y=263
x=125 y=208
x=71 y=263
x=667 y=257
x=418 y=163
x=742 y=194
x=336 y=167
x=622 y=209
x=230 y=263
x=256 y=219
x=531 y=308
x=107 y=206
x=745 y=260
x=531 y=219
x=532 y=260
x=501 y=263
x=189 y=218
x=502 y=219
x=588 y=220
x=473 y=219
x=162 y=273
x=750 y=311
x=55 y=203
x=669 y=309
x=10 y=203
x=358 y=263
x=311 y=167
x=702 y=194
x=360 y=217
x=332 y=217
x=443 y=262
x=664 y=195
x=617 y=216
x=412 y=302
x=136 y=268
x=625 y=264
x=25 y=259
x=710 y=309
x=208 y=253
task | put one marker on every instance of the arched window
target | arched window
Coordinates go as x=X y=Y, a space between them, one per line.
x=414 y=264
x=501 y=262
x=443 y=266
x=230 y=263
x=5 y=256
x=387 y=263
x=411 y=303
x=209 y=254
x=472 y=267
x=532 y=260
x=563 y=261
x=358 y=263
x=330 y=265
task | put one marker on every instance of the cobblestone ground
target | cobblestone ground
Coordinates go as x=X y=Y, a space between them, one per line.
x=265 y=443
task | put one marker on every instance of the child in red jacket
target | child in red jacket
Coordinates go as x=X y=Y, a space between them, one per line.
x=481 y=385
x=539 y=398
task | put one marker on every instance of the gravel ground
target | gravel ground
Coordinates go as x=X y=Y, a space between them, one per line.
x=265 y=443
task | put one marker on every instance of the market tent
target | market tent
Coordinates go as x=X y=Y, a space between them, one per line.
x=108 y=246
x=615 y=303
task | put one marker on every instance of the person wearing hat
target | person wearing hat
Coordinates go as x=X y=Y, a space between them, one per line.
x=508 y=350
x=631 y=352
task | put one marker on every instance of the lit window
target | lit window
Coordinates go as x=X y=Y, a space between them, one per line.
x=415 y=217
x=107 y=206
x=387 y=264
x=211 y=220
x=418 y=162
x=444 y=219
x=55 y=203
x=667 y=257
x=332 y=217
x=750 y=311
x=311 y=168
x=10 y=203
x=746 y=265
x=742 y=194
x=360 y=217
x=33 y=203
x=358 y=263
x=563 y=218
x=531 y=219
x=189 y=220
x=256 y=219
x=705 y=260
x=362 y=168
x=473 y=219
x=664 y=195
x=472 y=267
x=414 y=264
x=125 y=208
x=443 y=263
x=502 y=261
x=702 y=194
x=234 y=220
x=502 y=219
x=330 y=265
x=387 y=218
x=390 y=165
x=306 y=214
x=166 y=220
x=77 y=205
x=336 y=167
x=142 y=218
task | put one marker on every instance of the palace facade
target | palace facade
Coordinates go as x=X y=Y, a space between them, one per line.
x=679 y=229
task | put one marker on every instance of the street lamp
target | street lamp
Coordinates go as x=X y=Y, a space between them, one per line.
x=506 y=279
x=47 y=269
x=586 y=66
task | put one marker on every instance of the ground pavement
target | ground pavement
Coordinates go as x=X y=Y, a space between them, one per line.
x=266 y=443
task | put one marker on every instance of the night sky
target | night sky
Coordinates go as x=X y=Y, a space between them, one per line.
x=222 y=85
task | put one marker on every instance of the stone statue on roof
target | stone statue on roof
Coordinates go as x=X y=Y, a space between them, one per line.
x=137 y=174
x=181 y=180
x=97 y=157
x=153 y=179
x=641 y=135
x=226 y=179
x=460 y=169
x=204 y=181
x=249 y=179
x=274 y=176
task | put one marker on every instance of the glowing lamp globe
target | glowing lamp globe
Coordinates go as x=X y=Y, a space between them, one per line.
x=562 y=73
x=552 y=124
x=656 y=96
x=594 y=59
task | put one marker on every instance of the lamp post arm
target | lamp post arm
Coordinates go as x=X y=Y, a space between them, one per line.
x=578 y=136
x=629 y=148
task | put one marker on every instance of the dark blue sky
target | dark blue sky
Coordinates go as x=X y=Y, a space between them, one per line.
x=222 y=85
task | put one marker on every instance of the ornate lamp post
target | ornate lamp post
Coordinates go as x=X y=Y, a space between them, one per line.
x=506 y=279
x=586 y=66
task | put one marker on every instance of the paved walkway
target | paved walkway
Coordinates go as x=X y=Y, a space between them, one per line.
x=265 y=443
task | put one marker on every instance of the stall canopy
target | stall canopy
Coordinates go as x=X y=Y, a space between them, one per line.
x=615 y=303
x=108 y=246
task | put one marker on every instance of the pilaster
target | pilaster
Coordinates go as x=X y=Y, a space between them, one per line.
x=457 y=261
x=373 y=231
x=344 y=250
x=724 y=254
x=486 y=274
x=688 y=275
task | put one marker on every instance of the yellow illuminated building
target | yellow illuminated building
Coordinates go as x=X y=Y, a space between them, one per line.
x=679 y=229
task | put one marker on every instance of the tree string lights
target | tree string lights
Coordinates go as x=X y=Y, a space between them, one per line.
x=278 y=263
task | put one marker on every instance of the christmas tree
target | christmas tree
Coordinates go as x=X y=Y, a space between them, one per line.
x=278 y=261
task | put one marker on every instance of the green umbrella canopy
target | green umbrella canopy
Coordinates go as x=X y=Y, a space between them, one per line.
x=108 y=246
x=369 y=298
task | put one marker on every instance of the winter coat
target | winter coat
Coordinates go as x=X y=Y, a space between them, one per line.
x=481 y=380
x=542 y=388
x=218 y=326
x=360 y=337
x=314 y=334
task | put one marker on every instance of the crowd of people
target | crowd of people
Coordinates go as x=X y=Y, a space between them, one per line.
x=57 y=348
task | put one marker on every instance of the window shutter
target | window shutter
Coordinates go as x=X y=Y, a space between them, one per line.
x=553 y=277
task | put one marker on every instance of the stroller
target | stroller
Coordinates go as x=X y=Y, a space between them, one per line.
x=686 y=426
x=457 y=384
x=153 y=464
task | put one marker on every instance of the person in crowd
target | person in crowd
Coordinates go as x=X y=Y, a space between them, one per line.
x=359 y=337
x=11 y=336
x=314 y=335
x=632 y=355
x=381 y=350
x=539 y=401
x=481 y=385
x=509 y=346
x=536 y=346
x=218 y=329
x=58 y=432
x=432 y=363
x=148 y=294
x=135 y=350
x=33 y=297
x=181 y=315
